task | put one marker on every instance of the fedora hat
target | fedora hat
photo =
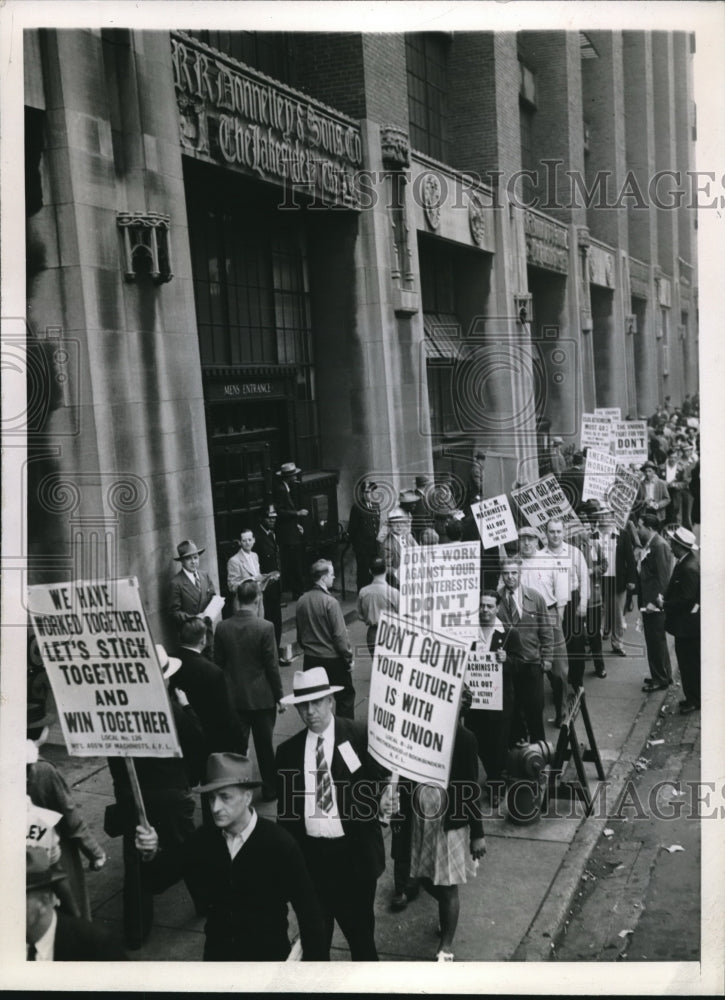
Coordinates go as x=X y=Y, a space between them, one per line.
x=526 y=529
x=397 y=514
x=287 y=469
x=169 y=664
x=224 y=769
x=187 y=548
x=684 y=537
x=408 y=496
x=309 y=685
x=39 y=873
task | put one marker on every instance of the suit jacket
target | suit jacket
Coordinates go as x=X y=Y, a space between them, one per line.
x=357 y=793
x=532 y=638
x=78 y=940
x=661 y=496
x=654 y=571
x=186 y=601
x=363 y=528
x=681 y=596
x=246 y=650
x=245 y=898
x=625 y=564
x=267 y=549
x=206 y=688
x=572 y=483
x=286 y=503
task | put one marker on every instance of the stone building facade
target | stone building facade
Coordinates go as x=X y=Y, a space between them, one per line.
x=371 y=254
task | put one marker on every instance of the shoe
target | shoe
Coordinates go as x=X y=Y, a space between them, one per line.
x=601 y=673
x=284 y=662
x=688 y=707
x=445 y=956
x=398 y=902
x=618 y=652
x=413 y=891
x=647 y=688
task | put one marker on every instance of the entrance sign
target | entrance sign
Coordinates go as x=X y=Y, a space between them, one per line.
x=102 y=666
x=629 y=441
x=439 y=584
x=494 y=521
x=415 y=691
x=599 y=473
x=484 y=677
x=596 y=431
x=544 y=499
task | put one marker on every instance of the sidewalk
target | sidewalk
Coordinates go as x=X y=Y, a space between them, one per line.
x=525 y=883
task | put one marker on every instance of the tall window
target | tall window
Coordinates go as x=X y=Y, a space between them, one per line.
x=252 y=291
x=527 y=111
x=426 y=57
x=443 y=335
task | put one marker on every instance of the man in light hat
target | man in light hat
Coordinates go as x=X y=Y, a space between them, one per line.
x=398 y=537
x=328 y=790
x=57 y=937
x=682 y=614
x=191 y=590
x=245 y=870
x=290 y=532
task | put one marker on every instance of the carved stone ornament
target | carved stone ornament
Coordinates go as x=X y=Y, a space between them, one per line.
x=395 y=147
x=477 y=218
x=583 y=237
x=146 y=245
x=193 y=130
x=431 y=190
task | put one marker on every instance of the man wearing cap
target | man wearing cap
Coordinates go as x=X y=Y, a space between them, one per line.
x=51 y=936
x=396 y=539
x=290 y=533
x=330 y=801
x=417 y=503
x=191 y=590
x=246 y=650
x=656 y=495
x=363 y=528
x=323 y=637
x=267 y=549
x=682 y=615
x=655 y=566
x=245 y=870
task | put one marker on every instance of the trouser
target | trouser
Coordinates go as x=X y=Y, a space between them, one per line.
x=362 y=567
x=559 y=663
x=594 y=635
x=338 y=673
x=687 y=510
x=658 y=656
x=528 y=715
x=272 y=603
x=492 y=730
x=293 y=577
x=371 y=637
x=616 y=619
x=171 y=814
x=688 y=660
x=261 y=724
x=574 y=628
x=346 y=894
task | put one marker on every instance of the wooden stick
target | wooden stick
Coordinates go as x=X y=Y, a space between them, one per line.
x=136 y=790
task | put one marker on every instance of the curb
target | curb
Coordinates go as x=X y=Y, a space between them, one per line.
x=538 y=943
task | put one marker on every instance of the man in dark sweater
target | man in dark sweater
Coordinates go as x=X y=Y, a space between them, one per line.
x=246 y=870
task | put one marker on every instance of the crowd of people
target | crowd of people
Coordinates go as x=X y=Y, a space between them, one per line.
x=548 y=602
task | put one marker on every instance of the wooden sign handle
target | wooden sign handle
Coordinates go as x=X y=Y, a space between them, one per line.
x=136 y=790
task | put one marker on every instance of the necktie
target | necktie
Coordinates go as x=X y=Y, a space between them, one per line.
x=511 y=605
x=323 y=782
x=32 y=953
x=196 y=581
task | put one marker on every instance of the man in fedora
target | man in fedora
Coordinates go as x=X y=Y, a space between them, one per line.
x=56 y=937
x=654 y=564
x=191 y=590
x=656 y=496
x=245 y=870
x=682 y=614
x=330 y=800
x=290 y=533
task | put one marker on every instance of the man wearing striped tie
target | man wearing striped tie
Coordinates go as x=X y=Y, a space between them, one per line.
x=190 y=591
x=332 y=797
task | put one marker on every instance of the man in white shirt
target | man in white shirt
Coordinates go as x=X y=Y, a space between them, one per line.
x=329 y=789
x=376 y=598
x=571 y=567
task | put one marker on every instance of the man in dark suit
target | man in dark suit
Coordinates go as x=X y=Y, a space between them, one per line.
x=328 y=789
x=530 y=649
x=682 y=615
x=624 y=583
x=245 y=649
x=267 y=549
x=363 y=528
x=290 y=533
x=205 y=686
x=572 y=480
x=655 y=566
x=56 y=937
x=191 y=590
x=245 y=869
